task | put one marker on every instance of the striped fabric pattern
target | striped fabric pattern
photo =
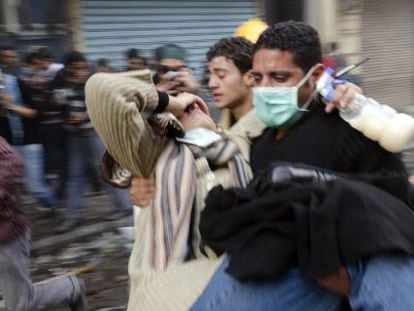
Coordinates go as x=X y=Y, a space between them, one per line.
x=72 y=98
x=160 y=280
x=171 y=208
x=116 y=105
x=240 y=171
x=175 y=202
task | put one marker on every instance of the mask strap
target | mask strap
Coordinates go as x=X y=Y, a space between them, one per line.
x=308 y=101
x=306 y=77
x=305 y=106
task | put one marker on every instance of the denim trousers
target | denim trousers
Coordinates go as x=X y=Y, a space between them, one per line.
x=19 y=293
x=383 y=283
x=380 y=283
x=34 y=176
x=85 y=151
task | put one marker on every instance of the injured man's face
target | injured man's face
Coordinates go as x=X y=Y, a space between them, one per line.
x=196 y=116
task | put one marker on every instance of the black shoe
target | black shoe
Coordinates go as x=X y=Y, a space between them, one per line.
x=79 y=302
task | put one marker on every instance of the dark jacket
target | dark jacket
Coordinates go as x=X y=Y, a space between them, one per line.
x=30 y=126
x=313 y=225
x=268 y=227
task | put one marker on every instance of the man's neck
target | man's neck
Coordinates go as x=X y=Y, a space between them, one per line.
x=242 y=109
x=281 y=133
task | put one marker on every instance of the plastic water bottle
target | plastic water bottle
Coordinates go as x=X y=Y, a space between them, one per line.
x=381 y=123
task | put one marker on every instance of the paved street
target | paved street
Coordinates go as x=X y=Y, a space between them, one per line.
x=95 y=246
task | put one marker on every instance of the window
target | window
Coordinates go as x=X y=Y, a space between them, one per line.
x=39 y=16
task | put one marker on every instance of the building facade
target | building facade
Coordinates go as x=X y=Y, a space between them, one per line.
x=27 y=24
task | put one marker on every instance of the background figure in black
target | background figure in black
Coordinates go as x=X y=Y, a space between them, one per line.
x=19 y=122
x=85 y=149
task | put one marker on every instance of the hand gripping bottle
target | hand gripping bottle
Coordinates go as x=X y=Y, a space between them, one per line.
x=381 y=123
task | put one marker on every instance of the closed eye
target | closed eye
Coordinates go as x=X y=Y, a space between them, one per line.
x=280 y=78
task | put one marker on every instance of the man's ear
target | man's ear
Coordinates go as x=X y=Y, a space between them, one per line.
x=317 y=73
x=248 y=79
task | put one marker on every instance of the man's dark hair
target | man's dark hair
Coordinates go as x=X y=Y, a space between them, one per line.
x=31 y=57
x=102 y=62
x=45 y=53
x=296 y=37
x=73 y=57
x=8 y=48
x=237 y=49
x=133 y=53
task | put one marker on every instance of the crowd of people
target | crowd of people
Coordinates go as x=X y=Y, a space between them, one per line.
x=282 y=205
x=43 y=116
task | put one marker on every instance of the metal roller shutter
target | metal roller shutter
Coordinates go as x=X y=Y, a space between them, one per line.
x=388 y=38
x=111 y=27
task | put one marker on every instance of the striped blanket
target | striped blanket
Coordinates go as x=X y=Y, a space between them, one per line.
x=173 y=211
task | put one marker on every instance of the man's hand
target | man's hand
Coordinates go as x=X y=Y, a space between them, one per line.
x=177 y=82
x=6 y=101
x=343 y=97
x=75 y=120
x=178 y=104
x=186 y=81
x=337 y=282
x=167 y=85
x=142 y=191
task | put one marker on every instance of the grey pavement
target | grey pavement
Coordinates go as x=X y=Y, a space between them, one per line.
x=94 y=246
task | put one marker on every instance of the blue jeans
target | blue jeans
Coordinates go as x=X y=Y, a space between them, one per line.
x=382 y=283
x=34 y=178
x=85 y=150
x=290 y=292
